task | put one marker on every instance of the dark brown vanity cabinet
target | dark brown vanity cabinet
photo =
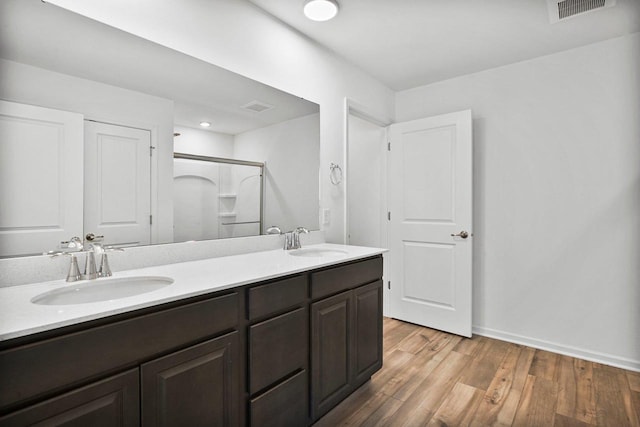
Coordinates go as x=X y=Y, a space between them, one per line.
x=172 y=363
x=346 y=331
x=278 y=353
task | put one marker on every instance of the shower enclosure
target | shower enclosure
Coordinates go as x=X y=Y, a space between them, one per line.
x=215 y=198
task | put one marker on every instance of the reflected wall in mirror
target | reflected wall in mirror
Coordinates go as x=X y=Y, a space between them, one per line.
x=88 y=115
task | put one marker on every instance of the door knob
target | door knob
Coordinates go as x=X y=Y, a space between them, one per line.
x=462 y=234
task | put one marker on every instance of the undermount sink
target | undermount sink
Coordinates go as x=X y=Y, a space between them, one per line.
x=102 y=290
x=317 y=252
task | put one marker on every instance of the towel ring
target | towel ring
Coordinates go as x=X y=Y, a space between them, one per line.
x=335 y=174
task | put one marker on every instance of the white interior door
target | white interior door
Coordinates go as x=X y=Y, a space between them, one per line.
x=430 y=204
x=117 y=190
x=40 y=178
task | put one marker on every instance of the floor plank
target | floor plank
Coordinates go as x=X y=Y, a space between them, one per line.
x=485 y=364
x=613 y=402
x=538 y=403
x=634 y=380
x=433 y=378
x=427 y=397
x=458 y=408
x=501 y=399
x=576 y=396
x=545 y=365
x=564 y=421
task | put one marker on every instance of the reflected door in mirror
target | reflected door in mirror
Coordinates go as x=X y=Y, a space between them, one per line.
x=40 y=166
x=117 y=183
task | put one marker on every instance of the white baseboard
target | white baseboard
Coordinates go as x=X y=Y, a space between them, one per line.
x=593 y=356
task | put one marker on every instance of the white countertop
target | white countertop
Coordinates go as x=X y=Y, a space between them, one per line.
x=20 y=317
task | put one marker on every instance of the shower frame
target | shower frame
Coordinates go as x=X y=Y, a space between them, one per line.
x=232 y=162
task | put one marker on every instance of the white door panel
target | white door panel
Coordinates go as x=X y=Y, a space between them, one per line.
x=430 y=199
x=117 y=193
x=41 y=155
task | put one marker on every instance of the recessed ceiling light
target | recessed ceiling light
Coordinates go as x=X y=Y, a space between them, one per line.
x=205 y=124
x=320 y=10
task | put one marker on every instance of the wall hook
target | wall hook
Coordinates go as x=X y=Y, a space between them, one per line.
x=335 y=174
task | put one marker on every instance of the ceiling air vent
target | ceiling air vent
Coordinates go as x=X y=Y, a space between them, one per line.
x=560 y=10
x=257 y=106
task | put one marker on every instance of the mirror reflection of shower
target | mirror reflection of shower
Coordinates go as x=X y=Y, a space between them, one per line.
x=216 y=197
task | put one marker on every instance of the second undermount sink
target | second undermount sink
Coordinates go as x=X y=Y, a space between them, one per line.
x=102 y=290
x=317 y=252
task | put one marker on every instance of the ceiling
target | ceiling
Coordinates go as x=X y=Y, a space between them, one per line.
x=410 y=43
x=46 y=36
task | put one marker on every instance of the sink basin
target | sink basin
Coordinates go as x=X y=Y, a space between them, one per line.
x=317 y=252
x=102 y=290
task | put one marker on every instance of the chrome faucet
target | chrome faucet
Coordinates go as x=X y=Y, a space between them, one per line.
x=95 y=247
x=292 y=238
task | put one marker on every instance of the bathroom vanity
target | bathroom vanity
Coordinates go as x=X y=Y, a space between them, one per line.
x=257 y=339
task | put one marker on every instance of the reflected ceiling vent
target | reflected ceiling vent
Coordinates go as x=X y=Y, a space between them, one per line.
x=559 y=10
x=257 y=106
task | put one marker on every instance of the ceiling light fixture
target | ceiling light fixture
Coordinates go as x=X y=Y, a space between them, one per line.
x=320 y=10
x=205 y=124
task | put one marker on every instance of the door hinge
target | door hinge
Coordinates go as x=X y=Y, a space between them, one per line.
x=150 y=219
x=389 y=216
x=388 y=146
x=151 y=148
x=389 y=285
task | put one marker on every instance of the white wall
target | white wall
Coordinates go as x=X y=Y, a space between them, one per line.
x=291 y=154
x=557 y=197
x=240 y=37
x=203 y=142
x=97 y=101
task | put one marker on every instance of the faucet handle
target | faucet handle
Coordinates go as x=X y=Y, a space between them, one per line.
x=274 y=229
x=75 y=243
x=302 y=230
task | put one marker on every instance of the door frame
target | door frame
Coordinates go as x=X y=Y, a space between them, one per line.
x=363 y=112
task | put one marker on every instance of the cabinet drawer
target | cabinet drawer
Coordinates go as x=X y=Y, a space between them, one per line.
x=277 y=348
x=283 y=405
x=276 y=297
x=113 y=401
x=38 y=369
x=337 y=279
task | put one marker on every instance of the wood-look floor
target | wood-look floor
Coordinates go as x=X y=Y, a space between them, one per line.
x=436 y=379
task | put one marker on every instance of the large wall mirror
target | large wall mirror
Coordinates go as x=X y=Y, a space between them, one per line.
x=91 y=119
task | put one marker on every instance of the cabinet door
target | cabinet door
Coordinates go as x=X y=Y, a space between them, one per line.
x=367 y=353
x=111 y=402
x=198 y=386
x=331 y=368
